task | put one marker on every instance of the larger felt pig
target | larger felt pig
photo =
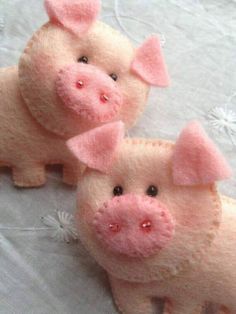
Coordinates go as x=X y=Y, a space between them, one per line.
x=75 y=74
x=150 y=214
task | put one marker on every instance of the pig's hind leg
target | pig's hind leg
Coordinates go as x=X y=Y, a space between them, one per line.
x=183 y=307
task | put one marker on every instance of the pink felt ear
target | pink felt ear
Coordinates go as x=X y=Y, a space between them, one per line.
x=96 y=148
x=196 y=159
x=75 y=15
x=149 y=63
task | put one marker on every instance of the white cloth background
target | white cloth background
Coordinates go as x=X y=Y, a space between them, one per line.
x=39 y=275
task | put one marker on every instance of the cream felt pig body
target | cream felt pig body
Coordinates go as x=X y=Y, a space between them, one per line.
x=36 y=148
x=76 y=73
x=150 y=214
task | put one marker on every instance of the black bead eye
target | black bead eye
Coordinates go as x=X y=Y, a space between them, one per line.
x=83 y=59
x=152 y=191
x=118 y=190
x=114 y=77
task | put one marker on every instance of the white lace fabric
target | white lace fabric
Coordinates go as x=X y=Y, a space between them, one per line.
x=40 y=273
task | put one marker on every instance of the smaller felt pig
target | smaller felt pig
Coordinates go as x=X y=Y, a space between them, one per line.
x=76 y=73
x=150 y=214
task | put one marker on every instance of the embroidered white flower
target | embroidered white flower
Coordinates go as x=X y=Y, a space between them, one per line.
x=223 y=120
x=63 y=226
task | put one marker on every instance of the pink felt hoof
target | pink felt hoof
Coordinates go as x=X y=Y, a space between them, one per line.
x=134 y=225
x=90 y=92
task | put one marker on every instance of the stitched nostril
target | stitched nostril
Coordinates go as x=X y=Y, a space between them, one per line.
x=146 y=225
x=80 y=84
x=104 y=98
x=114 y=227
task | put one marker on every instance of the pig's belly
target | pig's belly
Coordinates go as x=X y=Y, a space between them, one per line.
x=21 y=137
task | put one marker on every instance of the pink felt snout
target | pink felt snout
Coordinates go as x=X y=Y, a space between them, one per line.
x=89 y=92
x=134 y=225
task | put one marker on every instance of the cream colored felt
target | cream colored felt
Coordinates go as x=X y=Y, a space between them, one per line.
x=199 y=263
x=141 y=163
x=25 y=145
x=34 y=122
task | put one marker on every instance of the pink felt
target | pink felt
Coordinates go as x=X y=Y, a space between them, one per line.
x=75 y=15
x=196 y=159
x=134 y=225
x=96 y=148
x=149 y=63
x=89 y=92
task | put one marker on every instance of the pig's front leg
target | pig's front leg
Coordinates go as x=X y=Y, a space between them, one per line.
x=29 y=175
x=183 y=307
x=128 y=299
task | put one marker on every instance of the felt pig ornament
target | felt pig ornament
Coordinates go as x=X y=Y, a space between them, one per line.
x=76 y=73
x=150 y=214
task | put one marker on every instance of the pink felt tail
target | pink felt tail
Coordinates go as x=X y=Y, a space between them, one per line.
x=96 y=148
x=149 y=63
x=75 y=15
x=196 y=159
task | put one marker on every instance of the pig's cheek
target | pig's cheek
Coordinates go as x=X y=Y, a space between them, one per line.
x=43 y=74
x=134 y=99
x=191 y=217
x=88 y=217
x=190 y=220
x=44 y=69
x=39 y=61
x=85 y=216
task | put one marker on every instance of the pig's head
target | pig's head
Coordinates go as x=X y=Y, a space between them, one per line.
x=148 y=208
x=77 y=73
